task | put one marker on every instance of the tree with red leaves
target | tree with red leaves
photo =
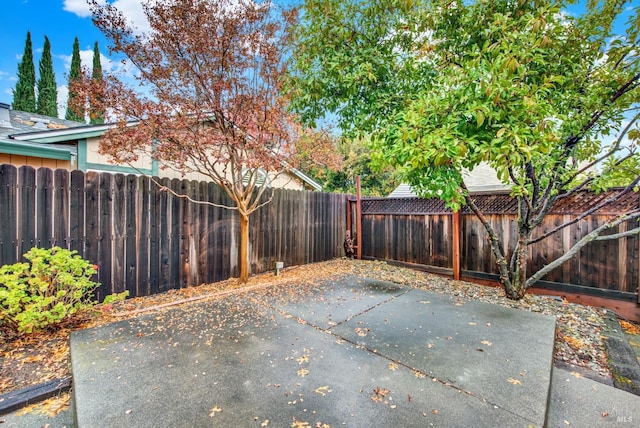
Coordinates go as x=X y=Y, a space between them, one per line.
x=211 y=73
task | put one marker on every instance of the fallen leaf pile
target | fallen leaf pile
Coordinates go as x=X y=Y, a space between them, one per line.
x=33 y=360
x=630 y=327
x=50 y=407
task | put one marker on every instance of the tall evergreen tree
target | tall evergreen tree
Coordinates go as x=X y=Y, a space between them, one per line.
x=24 y=96
x=96 y=113
x=75 y=106
x=47 y=89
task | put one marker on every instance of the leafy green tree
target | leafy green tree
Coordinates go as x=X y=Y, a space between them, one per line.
x=96 y=113
x=356 y=161
x=548 y=100
x=75 y=104
x=24 y=95
x=47 y=103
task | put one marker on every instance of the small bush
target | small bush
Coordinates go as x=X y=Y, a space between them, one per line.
x=50 y=289
x=115 y=297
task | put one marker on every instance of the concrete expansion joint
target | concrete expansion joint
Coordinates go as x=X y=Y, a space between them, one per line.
x=370 y=308
x=417 y=372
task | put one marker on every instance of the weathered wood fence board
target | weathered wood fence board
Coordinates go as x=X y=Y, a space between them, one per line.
x=420 y=232
x=146 y=240
x=8 y=210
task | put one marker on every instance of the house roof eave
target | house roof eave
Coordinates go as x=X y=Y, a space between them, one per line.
x=305 y=178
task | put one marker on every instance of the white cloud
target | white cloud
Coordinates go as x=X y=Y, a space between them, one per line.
x=66 y=59
x=86 y=58
x=63 y=96
x=132 y=9
x=109 y=66
x=79 y=7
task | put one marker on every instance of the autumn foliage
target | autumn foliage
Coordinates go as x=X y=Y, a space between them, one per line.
x=209 y=100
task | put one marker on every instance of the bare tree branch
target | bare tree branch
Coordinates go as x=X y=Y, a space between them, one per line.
x=588 y=212
x=164 y=188
x=590 y=237
x=615 y=148
x=625 y=234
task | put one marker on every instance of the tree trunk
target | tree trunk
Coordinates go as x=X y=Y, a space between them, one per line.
x=243 y=260
x=516 y=287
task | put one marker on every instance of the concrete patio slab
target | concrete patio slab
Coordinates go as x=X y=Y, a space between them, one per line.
x=501 y=355
x=580 y=402
x=257 y=359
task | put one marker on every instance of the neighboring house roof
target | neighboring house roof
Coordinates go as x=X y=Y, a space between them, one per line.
x=481 y=180
x=14 y=124
x=31 y=134
x=306 y=179
x=402 y=191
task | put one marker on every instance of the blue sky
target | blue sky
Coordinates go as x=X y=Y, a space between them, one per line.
x=62 y=21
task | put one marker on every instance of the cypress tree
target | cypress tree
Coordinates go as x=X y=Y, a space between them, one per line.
x=75 y=108
x=96 y=112
x=47 y=88
x=24 y=95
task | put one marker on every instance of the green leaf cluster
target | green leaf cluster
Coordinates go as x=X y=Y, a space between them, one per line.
x=52 y=287
x=445 y=85
x=356 y=60
x=357 y=161
x=115 y=297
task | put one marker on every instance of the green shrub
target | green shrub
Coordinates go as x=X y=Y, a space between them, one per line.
x=50 y=289
x=115 y=297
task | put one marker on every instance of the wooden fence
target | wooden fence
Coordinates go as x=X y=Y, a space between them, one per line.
x=420 y=232
x=146 y=240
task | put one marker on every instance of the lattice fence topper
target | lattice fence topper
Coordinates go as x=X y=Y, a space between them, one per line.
x=582 y=201
x=404 y=206
x=503 y=204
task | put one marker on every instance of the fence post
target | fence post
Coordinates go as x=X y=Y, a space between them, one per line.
x=456 y=245
x=358 y=219
x=349 y=222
